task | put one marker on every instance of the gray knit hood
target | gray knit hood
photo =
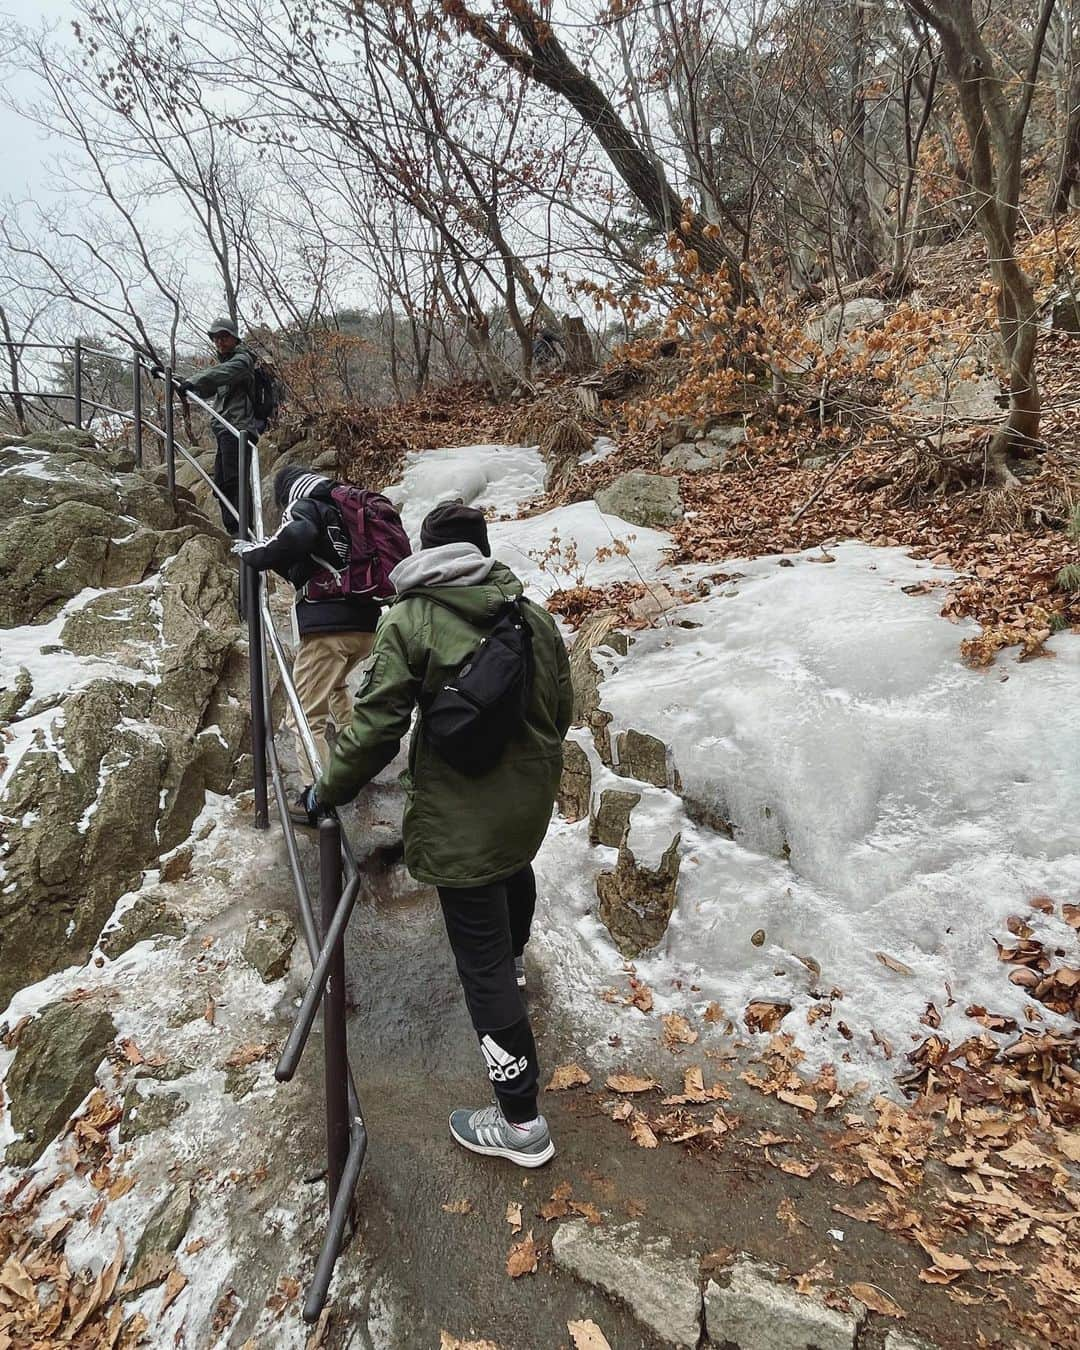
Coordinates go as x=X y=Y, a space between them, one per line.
x=447 y=565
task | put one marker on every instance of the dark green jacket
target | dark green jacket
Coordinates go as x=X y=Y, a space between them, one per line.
x=228 y=387
x=459 y=831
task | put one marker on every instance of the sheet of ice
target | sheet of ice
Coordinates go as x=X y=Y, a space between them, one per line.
x=499 y=478
x=827 y=715
x=559 y=548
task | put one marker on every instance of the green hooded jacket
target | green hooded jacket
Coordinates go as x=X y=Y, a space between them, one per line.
x=228 y=386
x=459 y=831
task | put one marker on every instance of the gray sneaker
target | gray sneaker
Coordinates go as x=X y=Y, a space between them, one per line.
x=488 y=1131
x=519 y=971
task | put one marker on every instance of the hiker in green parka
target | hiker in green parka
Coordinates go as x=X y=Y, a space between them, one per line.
x=474 y=838
x=228 y=385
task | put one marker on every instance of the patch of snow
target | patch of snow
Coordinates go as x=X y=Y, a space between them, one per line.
x=559 y=548
x=603 y=447
x=495 y=478
x=884 y=798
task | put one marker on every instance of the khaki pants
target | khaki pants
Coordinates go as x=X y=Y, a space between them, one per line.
x=323 y=663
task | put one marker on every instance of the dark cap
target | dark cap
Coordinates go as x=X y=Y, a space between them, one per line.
x=455 y=523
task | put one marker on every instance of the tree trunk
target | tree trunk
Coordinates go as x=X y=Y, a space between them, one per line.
x=13 y=366
x=545 y=60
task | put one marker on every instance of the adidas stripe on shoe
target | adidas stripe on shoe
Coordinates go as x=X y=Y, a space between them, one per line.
x=487 y=1131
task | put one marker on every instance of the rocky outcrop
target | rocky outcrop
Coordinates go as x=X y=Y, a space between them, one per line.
x=636 y=902
x=647 y=499
x=55 y=1066
x=575 y=786
x=268 y=944
x=710 y=453
x=111 y=763
x=611 y=819
x=643 y=757
x=598 y=630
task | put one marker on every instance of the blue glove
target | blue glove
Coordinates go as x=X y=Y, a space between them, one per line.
x=309 y=800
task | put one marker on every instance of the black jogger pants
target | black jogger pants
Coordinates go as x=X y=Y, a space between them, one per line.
x=227 y=473
x=488 y=926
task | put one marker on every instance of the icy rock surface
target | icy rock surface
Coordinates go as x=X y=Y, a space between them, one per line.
x=884 y=799
x=495 y=478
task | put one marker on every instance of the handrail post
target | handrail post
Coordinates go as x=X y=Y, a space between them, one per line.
x=335 y=1045
x=170 y=438
x=243 y=511
x=78 y=382
x=136 y=407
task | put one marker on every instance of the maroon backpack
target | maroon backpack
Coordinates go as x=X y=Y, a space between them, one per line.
x=377 y=542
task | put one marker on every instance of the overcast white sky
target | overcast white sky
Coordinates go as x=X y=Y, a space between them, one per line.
x=23 y=146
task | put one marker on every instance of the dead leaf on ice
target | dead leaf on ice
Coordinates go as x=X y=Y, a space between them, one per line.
x=677 y=1030
x=586 y=1335
x=893 y=963
x=175 y=1283
x=522 y=1259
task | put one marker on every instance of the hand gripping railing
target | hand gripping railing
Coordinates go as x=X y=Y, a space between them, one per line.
x=346 y=1134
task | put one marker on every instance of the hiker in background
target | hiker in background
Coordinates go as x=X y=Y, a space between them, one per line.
x=238 y=395
x=489 y=673
x=337 y=546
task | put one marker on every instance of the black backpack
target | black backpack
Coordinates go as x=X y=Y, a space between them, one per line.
x=472 y=717
x=266 y=394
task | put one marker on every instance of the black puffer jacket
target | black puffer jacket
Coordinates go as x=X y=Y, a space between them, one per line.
x=311 y=528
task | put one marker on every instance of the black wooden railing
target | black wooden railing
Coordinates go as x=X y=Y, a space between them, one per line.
x=339 y=876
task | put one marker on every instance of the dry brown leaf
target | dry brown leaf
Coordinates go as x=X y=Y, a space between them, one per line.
x=1026 y=1157
x=522 y=1259
x=1013 y=1232
x=641 y=1132
x=588 y=1211
x=622 y=1111
x=641 y=997
x=448 y=1342
x=947 y=1261
x=568 y=1076
x=175 y=1283
x=1067 y=1142
x=121 y=1186
x=246 y=1054
x=210 y=1011
x=794 y=1168
x=765 y=1014
x=513 y=1215
x=629 y=1082
x=713 y=1013
x=800 y=1099
x=586 y=1335
x=932 y=1275
x=13 y=1276
x=677 y=1030
x=463 y=1206
x=876 y=1300
x=195 y=1245
x=881 y=1169
x=893 y=963
x=789 y=1215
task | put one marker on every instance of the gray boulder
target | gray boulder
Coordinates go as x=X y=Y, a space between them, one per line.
x=647 y=499
x=149 y=917
x=831 y=329
x=643 y=757
x=660 y=1288
x=575 y=786
x=165 y=1230
x=710 y=454
x=146 y=1112
x=55 y=1066
x=611 y=819
x=268 y=944
x=598 y=630
x=755 y=1310
x=636 y=903
x=119 y=775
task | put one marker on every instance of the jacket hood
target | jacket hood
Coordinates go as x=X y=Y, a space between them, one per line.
x=307 y=484
x=466 y=581
x=457 y=564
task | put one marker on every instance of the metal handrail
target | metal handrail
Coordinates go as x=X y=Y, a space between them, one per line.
x=346 y=1131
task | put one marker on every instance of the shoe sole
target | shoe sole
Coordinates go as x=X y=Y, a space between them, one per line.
x=522 y=1159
